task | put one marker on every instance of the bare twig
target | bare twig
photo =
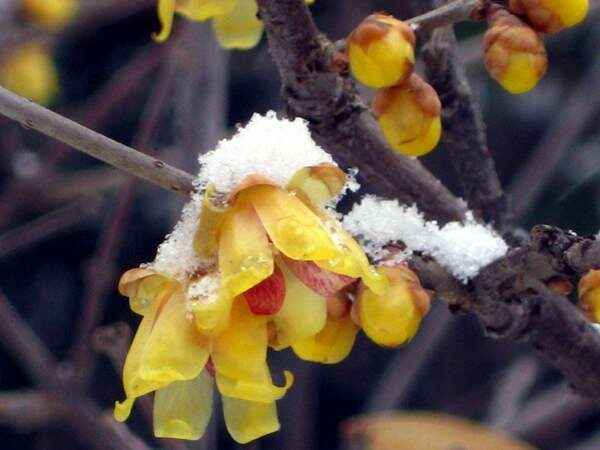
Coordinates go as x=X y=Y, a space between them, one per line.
x=453 y=12
x=511 y=391
x=122 y=157
x=48 y=225
x=30 y=410
x=25 y=346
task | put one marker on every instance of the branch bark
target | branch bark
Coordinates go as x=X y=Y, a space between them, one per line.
x=94 y=144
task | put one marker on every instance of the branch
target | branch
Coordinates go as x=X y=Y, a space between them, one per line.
x=339 y=121
x=94 y=144
x=453 y=12
x=464 y=136
x=24 y=344
x=30 y=410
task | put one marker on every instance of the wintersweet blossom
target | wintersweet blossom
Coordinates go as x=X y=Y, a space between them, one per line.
x=258 y=261
x=52 y=15
x=234 y=22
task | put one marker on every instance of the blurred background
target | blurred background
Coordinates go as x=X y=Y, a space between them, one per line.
x=69 y=226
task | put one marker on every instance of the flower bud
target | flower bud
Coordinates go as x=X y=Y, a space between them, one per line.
x=52 y=15
x=409 y=116
x=381 y=51
x=393 y=319
x=589 y=294
x=515 y=55
x=30 y=72
x=551 y=16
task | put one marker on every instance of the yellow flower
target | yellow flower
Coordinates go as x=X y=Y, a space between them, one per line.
x=381 y=51
x=551 y=16
x=589 y=294
x=235 y=22
x=409 y=116
x=52 y=15
x=393 y=319
x=30 y=72
x=170 y=355
x=515 y=55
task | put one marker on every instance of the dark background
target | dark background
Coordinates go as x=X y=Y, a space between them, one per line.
x=69 y=225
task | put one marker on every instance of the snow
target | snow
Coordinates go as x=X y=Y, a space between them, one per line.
x=268 y=146
x=462 y=248
x=175 y=256
x=205 y=289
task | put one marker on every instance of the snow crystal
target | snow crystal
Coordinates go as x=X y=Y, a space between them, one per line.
x=206 y=288
x=462 y=248
x=268 y=146
x=175 y=256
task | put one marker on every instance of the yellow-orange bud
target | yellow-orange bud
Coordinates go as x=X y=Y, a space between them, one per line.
x=409 y=116
x=30 y=72
x=381 y=51
x=50 y=14
x=515 y=55
x=393 y=319
x=589 y=294
x=551 y=16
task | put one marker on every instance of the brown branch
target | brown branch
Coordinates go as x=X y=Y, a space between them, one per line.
x=339 y=121
x=453 y=12
x=30 y=410
x=464 y=136
x=94 y=144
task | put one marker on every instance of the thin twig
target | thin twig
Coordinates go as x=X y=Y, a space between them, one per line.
x=94 y=144
x=24 y=344
x=453 y=12
x=30 y=410
x=48 y=225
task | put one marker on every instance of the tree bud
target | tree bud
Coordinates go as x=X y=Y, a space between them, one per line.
x=551 y=16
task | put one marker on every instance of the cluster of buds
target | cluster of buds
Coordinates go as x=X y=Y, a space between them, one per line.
x=514 y=52
x=381 y=56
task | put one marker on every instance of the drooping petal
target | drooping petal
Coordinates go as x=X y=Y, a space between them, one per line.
x=247 y=421
x=331 y=345
x=174 y=350
x=183 y=409
x=303 y=314
x=263 y=391
x=240 y=28
x=240 y=352
x=200 y=10
x=133 y=384
x=209 y=304
x=211 y=217
x=245 y=257
x=295 y=230
x=166 y=11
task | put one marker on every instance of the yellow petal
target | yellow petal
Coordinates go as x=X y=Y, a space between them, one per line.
x=319 y=183
x=351 y=259
x=247 y=421
x=245 y=257
x=174 y=350
x=166 y=11
x=134 y=385
x=182 y=410
x=200 y=10
x=143 y=287
x=211 y=217
x=240 y=28
x=211 y=313
x=240 y=352
x=331 y=345
x=52 y=15
x=303 y=314
x=294 y=229
x=263 y=391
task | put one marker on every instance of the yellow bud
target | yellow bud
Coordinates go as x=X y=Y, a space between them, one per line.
x=409 y=116
x=30 y=72
x=515 y=55
x=381 y=51
x=589 y=294
x=393 y=319
x=51 y=14
x=551 y=16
